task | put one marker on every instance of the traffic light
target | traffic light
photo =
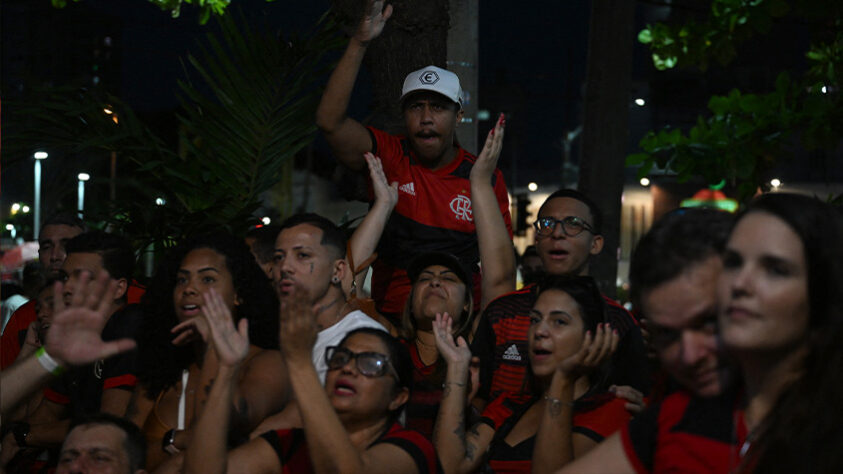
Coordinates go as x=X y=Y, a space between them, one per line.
x=521 y=214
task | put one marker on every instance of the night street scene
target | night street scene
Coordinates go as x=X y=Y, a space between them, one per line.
x=416 y=236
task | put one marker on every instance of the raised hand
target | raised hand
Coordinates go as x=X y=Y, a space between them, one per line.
x=298 y=327
x=373 y=21
x=75 y=335
x=453 y=352
x=594 y=351
x=487 y=160
x=194 y=329
x=384 y=191
x=231 y=345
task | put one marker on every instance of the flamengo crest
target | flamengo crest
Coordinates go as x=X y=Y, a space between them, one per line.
x=461 y=205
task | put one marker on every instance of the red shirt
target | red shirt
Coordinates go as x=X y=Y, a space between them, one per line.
x=294 y=456
x=433 y=214
x=687 y=434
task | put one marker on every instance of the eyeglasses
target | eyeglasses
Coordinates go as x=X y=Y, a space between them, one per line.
x=571 y=226
x=370 y=364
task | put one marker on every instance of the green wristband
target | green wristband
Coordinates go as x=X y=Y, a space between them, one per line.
x=49 y=364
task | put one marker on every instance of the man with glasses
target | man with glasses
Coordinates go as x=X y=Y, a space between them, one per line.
x=567 y=234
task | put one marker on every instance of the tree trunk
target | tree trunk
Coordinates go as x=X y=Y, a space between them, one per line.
x=414 y=37
x=606 y=124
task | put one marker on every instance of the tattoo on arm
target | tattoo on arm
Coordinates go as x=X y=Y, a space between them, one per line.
x=470 y=449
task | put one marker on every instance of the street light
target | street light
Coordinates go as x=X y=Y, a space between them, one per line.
x=36 y=216
x=532 y=186
x=81 y=192
x=644 y=181
x=11 y=228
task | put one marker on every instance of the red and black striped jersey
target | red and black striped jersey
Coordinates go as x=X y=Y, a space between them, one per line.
x=291 y=447
x=501 y=345
x=595 y=416
x=423 y=407
x=687 y=434
x=433 y=214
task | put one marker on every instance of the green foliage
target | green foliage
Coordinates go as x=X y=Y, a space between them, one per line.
x=236 y=141
x=746 y=135
x=696 y=43
x=206 y=7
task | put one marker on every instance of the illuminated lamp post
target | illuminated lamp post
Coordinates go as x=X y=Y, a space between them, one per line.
x=80 y=199
x=36 y=216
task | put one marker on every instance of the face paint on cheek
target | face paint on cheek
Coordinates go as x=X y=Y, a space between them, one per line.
x=311 y=269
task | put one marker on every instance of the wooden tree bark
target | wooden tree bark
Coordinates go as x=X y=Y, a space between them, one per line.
x=416 y=36
x=606 y=124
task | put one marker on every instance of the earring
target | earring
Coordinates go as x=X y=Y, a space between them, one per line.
x=335 y=280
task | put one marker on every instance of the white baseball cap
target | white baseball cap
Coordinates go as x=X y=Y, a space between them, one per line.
x=436 y=79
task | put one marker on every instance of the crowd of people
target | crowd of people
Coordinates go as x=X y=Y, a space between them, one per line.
x=262 y=353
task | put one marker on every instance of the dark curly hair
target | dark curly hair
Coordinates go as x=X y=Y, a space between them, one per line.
x=161 y=362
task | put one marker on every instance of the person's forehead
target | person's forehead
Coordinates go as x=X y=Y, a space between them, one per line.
x=83 y=261
x=298 y=235
x=561 y=207
x=88 y=437
x=203 y=258
x=685 y=298
x=426 y=96
x=58 y=232
x=364 y=343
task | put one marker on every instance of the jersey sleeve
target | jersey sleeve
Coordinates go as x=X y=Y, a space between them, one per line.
x=418 y=447
x=15 y=332
x=58 y=391
x=639 y=438
x=288 y=445
x=386 y=147
x=121 y=370
x=499 y=410
x=601 y=422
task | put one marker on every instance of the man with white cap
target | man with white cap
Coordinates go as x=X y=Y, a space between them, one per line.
x=434 y=199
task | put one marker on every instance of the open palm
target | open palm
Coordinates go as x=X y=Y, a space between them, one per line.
x=230 y=343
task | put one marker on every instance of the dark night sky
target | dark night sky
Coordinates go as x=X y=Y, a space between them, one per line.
x=540 y=52
x=532 y=64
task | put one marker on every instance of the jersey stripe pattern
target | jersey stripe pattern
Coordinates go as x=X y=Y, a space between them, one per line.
x=433 y=213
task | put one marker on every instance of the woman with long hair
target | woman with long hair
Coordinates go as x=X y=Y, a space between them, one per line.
x=349 y=425
x=781 y=303
x=569 y=343
x=780 y=313
x=177 y=363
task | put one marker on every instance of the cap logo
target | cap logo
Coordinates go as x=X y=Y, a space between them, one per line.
x=429 y=78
